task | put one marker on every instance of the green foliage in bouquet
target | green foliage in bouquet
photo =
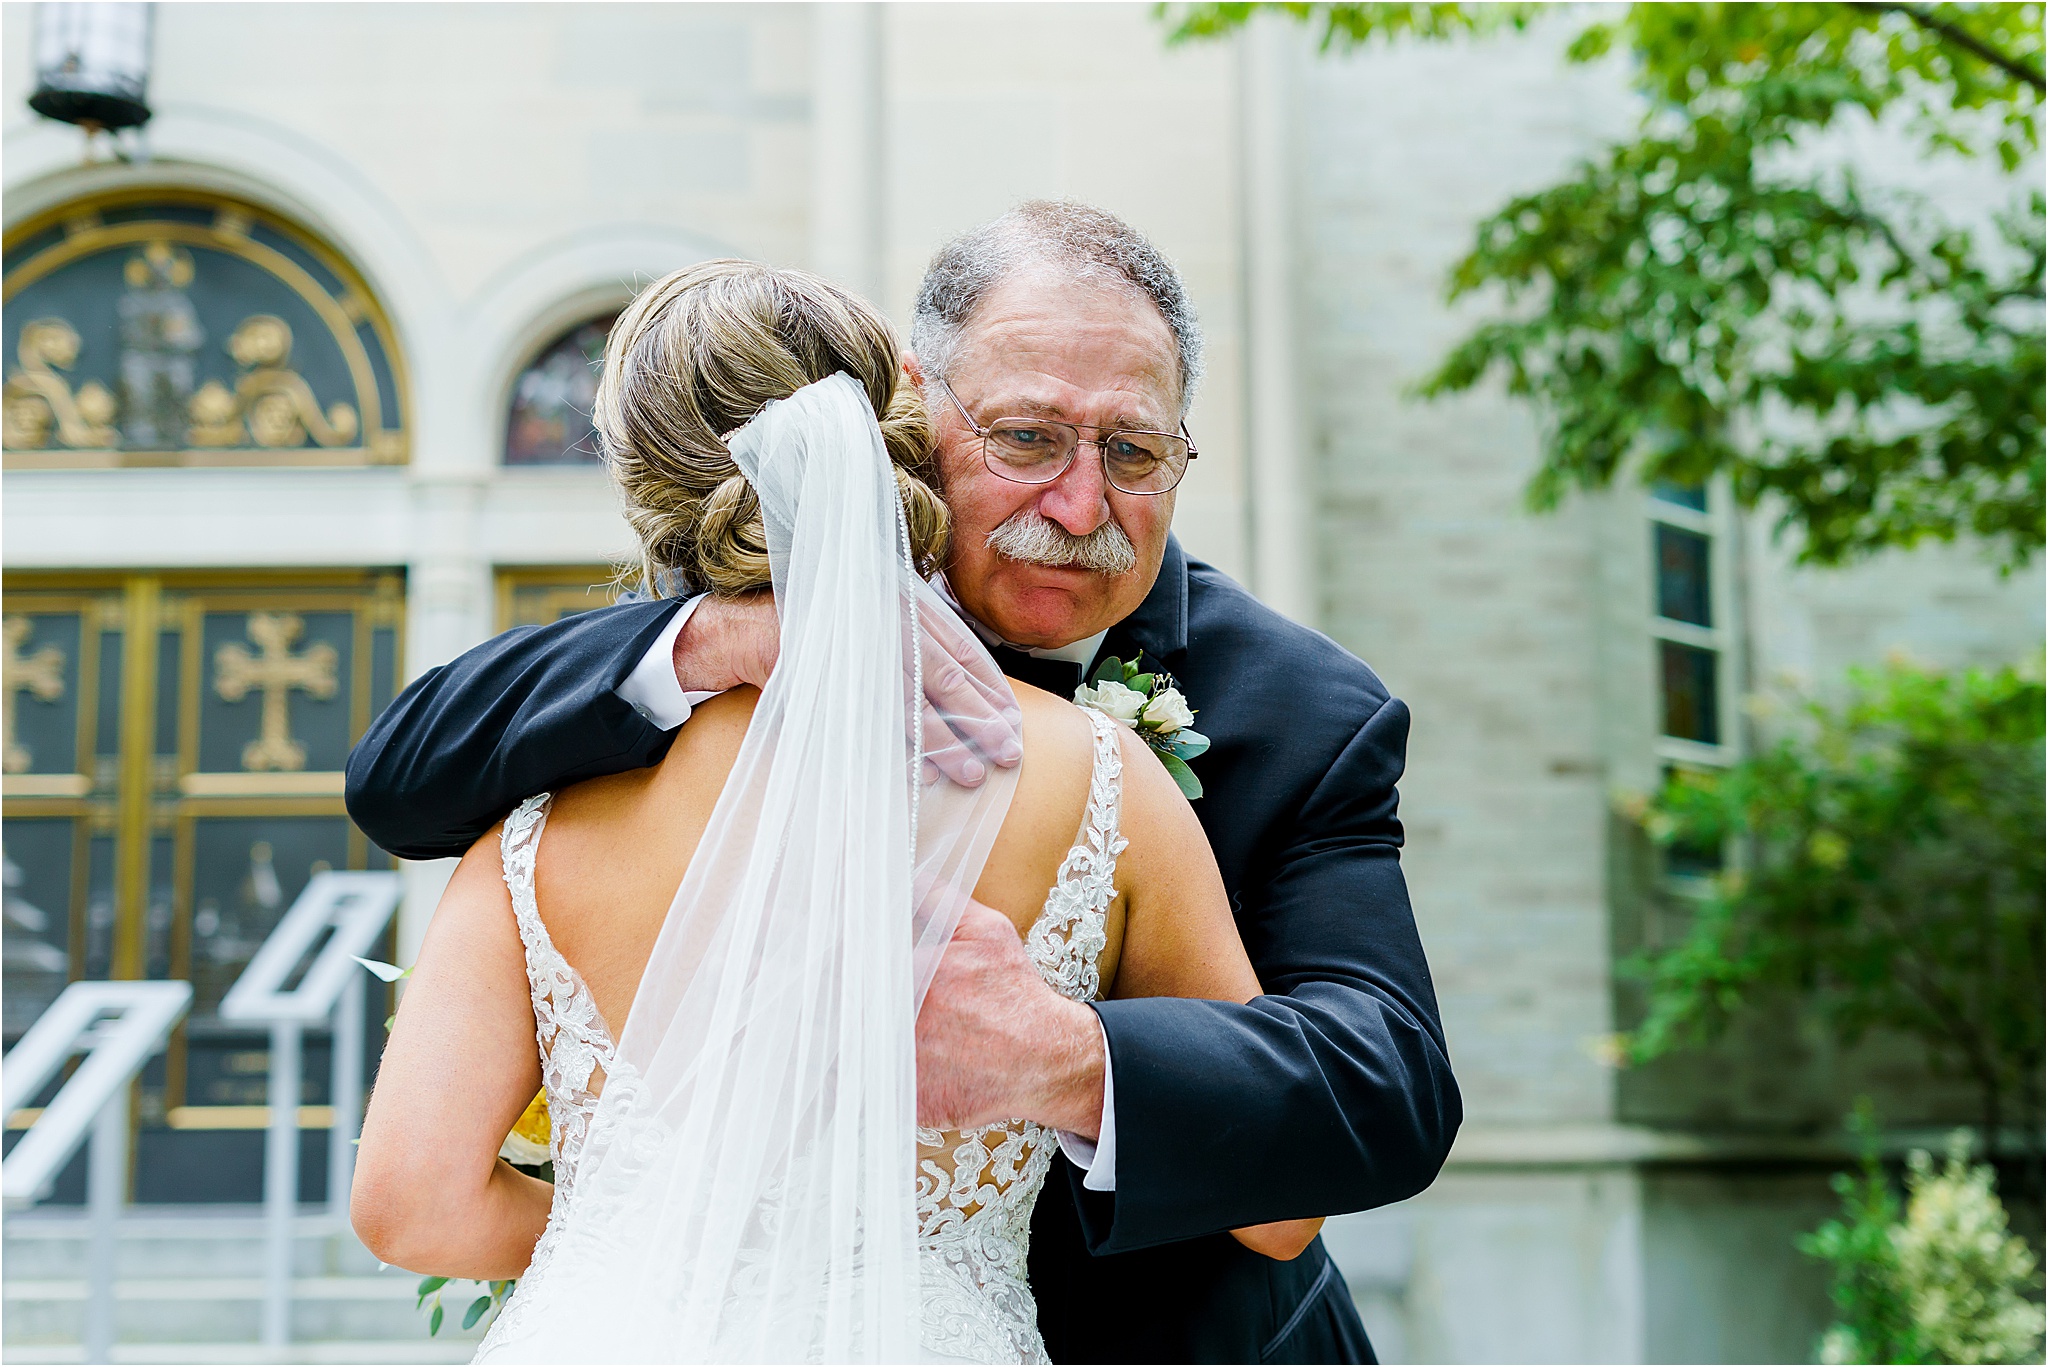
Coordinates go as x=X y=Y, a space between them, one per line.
x=1710 y=297
x=1944 y=1281
x=1885 y=865
x=491 y=1298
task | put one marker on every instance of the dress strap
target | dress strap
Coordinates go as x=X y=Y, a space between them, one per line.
x=518 y=848
x=1068 y=937
x=1106 y=787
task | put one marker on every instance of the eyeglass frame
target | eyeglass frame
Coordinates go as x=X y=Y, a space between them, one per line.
x=1099 y=443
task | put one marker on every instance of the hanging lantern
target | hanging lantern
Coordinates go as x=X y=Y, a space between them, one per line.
x=92 y=64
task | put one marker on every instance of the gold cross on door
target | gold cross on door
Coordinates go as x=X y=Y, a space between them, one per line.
x=277 y=672
x=40 y=673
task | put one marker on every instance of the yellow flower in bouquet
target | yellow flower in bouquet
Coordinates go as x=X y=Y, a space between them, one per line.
x=527 y=1145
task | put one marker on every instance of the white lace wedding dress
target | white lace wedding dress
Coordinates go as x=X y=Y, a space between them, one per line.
x=975 y=1188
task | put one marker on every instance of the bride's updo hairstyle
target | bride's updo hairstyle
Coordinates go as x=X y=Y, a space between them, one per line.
x=697 y=355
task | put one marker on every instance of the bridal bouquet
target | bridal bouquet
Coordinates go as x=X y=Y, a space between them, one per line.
x=1148 y=703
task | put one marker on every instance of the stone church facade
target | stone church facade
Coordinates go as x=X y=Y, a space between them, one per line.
x=294 y=410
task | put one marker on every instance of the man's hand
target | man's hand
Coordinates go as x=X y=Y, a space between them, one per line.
x=728 y=642
x=970 y=719
x=995 y=1043
x=970 y=715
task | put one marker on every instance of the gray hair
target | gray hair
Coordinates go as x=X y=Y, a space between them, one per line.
x=1059 y=232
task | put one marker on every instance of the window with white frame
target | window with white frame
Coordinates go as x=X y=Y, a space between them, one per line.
x=1688 y=626
x=1691 y=633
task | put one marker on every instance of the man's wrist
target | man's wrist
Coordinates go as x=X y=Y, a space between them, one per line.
x=1071 y=1085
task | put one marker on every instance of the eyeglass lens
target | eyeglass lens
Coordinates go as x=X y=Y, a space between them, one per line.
x=1039 y=452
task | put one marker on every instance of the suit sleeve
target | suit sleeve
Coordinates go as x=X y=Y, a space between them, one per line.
x=527 y=711
x=1331 y=1093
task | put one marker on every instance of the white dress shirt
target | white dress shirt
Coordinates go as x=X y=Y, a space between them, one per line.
x=652 y=691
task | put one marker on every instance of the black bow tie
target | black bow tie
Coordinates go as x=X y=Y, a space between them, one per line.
x=1058 y=677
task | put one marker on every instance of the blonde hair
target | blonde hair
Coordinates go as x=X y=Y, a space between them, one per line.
x=691 y=360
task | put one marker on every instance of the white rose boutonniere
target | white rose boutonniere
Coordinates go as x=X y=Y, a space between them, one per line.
x=1112 y=700
x=1149 y=704
x=1168 y=712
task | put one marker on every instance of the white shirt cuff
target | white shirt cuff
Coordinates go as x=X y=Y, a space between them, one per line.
x=651 y=689
x=1097 y=1160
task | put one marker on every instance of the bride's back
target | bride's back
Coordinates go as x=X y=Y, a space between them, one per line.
x=616 y=848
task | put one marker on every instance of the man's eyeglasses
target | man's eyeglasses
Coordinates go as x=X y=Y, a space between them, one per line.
x=1039 y=451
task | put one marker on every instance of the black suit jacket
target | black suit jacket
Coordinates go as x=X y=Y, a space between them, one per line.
x=1331 y=1093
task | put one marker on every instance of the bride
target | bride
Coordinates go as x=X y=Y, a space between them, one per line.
x=721 y=957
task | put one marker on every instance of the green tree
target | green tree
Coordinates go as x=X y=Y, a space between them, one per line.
x=1710 y=297
x=1887 y=868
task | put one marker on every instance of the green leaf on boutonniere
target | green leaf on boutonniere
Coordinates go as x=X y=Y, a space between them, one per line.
x=1190 y=786
x=1111 y=668
x=1140 y=682
x=1186 y=743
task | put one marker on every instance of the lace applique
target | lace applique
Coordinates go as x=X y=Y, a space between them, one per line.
x=976 y=1188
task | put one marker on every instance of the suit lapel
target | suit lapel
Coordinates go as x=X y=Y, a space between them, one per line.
x=1159 y=627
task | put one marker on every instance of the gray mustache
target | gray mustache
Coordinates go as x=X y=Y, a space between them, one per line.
x=1035 y=539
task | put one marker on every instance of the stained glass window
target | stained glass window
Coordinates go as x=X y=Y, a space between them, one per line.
x=186 y=329
x=551 y=403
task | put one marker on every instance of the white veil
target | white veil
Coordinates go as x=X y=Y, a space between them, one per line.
x=746 y=1192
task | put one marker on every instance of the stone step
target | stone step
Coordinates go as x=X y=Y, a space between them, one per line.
x=198 y=1309
x=442 y=1349
x=189 y=1287
x=154 y=1246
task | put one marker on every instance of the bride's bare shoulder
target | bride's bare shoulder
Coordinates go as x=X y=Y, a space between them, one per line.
x=1046 y=810
x=1059 y=748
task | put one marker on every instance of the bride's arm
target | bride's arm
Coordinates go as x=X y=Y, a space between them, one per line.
x=430 y=1192
x=1179 y=937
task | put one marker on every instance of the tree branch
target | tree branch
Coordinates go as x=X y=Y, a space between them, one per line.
x=1962 y=38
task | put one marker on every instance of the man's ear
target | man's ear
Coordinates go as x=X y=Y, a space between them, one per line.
x=912 y=369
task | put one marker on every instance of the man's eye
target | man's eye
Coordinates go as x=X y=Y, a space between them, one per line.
x=1026 y=438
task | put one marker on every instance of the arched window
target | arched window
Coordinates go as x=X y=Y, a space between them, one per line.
x=168 y=327
x=549 y=423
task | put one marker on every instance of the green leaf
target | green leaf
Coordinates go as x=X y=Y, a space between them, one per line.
x=434 y=1321
x=1190 y=786
x=475 y=1311
x=1188 y=743
x=1111 y=668
x=429 y=1285
x=1142 y=683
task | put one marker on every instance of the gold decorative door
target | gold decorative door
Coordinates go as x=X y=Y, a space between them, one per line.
x=173 y=762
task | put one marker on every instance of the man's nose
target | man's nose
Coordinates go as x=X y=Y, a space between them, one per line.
x=1079 y=499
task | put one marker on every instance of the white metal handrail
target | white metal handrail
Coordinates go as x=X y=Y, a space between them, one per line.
x=119 y=1026
x=351 y=909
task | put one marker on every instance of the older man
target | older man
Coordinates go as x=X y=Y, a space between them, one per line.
x=1058 y=353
